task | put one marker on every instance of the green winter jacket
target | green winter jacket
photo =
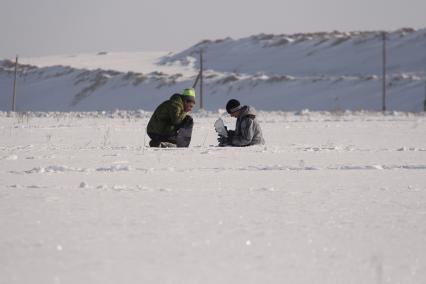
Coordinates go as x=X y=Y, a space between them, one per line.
x=167 y=116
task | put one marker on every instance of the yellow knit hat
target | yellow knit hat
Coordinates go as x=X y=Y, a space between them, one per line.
x=189 y=94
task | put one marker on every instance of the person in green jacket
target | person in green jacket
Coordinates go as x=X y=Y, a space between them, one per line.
x=170 y=125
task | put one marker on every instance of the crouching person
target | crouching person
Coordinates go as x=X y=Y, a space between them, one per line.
x=247 y=129
x=170 y=125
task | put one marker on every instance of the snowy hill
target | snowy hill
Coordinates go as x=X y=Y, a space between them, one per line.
x=332 y=54
x=319 y=71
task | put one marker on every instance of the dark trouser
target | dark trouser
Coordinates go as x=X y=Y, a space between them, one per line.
x=156 y=139
x=181 y=139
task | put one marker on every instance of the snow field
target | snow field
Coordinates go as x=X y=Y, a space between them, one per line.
x=331 y=198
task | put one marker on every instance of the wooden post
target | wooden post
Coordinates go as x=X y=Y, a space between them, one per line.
x=424 y=103
x=14 y=85
x=201 y=80
x=384 y=73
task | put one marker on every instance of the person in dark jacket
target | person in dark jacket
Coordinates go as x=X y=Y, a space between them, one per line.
x=247 y=129
x=170 y=125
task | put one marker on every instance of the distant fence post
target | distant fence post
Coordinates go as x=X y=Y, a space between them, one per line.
x=201 y=80
x=384 y=73
x=14 y=85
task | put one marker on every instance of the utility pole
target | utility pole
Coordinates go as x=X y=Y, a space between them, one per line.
x=14 y=85
x=384 y=73
x=196 y=80
x=201 y=80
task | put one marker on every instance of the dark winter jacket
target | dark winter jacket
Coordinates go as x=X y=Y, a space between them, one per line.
x=167 y=116
x=247 y=129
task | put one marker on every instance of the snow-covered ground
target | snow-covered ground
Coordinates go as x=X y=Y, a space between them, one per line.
x=331 y=198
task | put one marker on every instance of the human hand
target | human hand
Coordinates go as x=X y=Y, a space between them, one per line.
x=223 y=141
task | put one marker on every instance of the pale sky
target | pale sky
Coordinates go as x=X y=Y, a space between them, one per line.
x=47 y=27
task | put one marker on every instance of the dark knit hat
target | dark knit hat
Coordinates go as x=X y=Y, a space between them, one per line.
x=232 y=106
